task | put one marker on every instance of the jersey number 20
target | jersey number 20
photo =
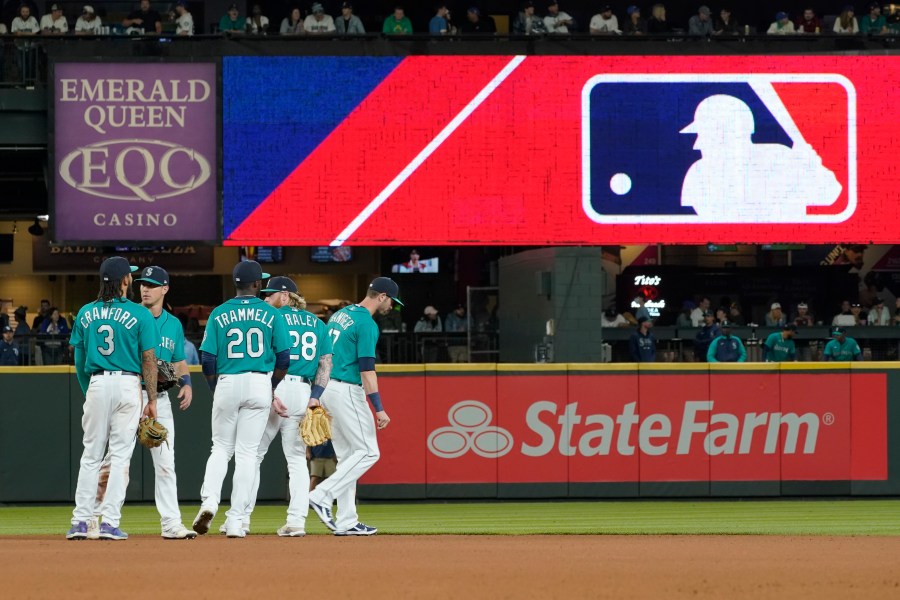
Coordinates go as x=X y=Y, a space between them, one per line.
x=254 y=343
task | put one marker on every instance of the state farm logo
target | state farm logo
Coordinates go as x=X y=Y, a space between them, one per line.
x=470 y=429
x=135 y=169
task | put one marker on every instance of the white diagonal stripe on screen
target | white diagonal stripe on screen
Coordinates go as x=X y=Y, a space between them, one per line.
x=427 y=151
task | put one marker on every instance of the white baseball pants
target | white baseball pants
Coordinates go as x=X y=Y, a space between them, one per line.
x=294 y=392
x=241 y=406
x=112 y=408
x=355 y=445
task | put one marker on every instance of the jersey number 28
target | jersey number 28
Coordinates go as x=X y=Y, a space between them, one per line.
x=306 y=343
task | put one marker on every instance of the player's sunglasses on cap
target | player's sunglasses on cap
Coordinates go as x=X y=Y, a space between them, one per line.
x=115 y=268
x=280 y=284
x=248 y=271
x=154 y=276
x=386 y=285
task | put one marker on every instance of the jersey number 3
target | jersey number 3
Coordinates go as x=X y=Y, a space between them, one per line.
x=254 y=343
x=109 y=344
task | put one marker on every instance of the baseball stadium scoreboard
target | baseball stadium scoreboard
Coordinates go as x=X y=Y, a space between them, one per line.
x=450 y=150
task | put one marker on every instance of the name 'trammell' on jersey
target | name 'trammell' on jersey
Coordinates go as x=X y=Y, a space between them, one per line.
x=718 y=433
x=245 y=314
x=108 y=313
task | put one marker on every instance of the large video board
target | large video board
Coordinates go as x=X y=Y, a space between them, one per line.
x=560 y=150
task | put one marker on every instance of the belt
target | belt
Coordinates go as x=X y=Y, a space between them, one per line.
x=347 y=382
x=305 y=380
x=115 y=373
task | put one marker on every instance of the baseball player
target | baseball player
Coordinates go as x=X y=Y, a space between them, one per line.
x=114 y=341
x=301 y=388
x=245 y=340
x=779 y=346
x=154 y=284
x=353 y=380
x=841 y=347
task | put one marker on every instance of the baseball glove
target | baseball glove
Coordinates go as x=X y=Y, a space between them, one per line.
x=165 y=376
x=151 y=433
x=315 y=428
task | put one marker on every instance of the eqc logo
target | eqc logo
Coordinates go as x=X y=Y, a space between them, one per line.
x=719 y=148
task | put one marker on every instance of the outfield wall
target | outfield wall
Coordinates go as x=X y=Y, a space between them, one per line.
x=536 y=431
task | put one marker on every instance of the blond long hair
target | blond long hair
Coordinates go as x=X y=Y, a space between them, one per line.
x=296 y=301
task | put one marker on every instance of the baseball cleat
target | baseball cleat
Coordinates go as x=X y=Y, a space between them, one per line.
x=179 y=532
x=288 y=531
x=235 y=532
x=324 y=514
x=93 y=528
x=108 y=532
x=358 y=529
x=201 y=523
x=78 y=531
x=222 y=529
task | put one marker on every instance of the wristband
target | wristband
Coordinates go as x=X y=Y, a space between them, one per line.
x=185 y=380
x=375 y=399
x=316 y=392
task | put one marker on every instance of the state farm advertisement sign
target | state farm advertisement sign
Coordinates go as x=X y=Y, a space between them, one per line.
x=134 y=152
x=757 y=426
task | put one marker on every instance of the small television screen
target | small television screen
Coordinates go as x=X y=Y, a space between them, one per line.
x=413 y=260
x=330 y=254
x=6 y=248
x=262 y=254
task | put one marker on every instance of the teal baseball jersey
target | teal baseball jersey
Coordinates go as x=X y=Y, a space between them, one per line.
x=309 y=341
x=245 y=333
x=849 y=350
x=113 y=335
x=779 y=349
x=171 y=338
x=353 y=336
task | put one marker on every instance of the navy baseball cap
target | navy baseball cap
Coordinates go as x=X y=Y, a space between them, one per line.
x=386 y=285
x=115 y=268
x=154 y=276
x=280 y=284
x=837 y=332
x=7 y=328
x=248 y=271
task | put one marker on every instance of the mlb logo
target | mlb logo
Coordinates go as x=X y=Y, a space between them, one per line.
x=719 y=148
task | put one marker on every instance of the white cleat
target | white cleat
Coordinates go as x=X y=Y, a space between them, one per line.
x=179 y=532
x=93 y=528
x=288 y=531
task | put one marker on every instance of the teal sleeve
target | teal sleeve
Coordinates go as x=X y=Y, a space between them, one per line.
x=326 y=346
x=149 y=335
x=711 y=353
x=743 y=355
x=178 y=354
x=210 y=344
x=368 y=336
x=281 y=338
x=84 y=378
x=76 y=338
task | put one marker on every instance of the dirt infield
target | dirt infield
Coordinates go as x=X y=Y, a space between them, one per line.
x=454 y=566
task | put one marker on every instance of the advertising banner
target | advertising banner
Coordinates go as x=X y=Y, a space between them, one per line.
x=654 y=426
x=134 y=152
x=559 y=150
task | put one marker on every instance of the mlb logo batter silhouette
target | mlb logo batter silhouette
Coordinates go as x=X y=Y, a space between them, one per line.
x=717 y=149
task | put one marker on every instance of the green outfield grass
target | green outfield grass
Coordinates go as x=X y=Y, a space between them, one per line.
x=767 y=517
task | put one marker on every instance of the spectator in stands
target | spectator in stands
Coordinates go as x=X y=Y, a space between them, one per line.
x=726 y=24
x=54 y=22
x=657 y=23
x=457 y=321
x=440 y=22
x=43 y=313
x=348 y=23
x=22 y=332
x=558 y=21
x=841 y=347
x=879 y=314
x=897 y=312
x=642 y=343
x=803 y=318
x=779 y=346
x=844 y=318
x=721 y=315
x=726 y=347
x=775 y=317
x=26 y=59
x=477 y=23
x=88 y=23
x=603 y=23
x=782 y=25
x=184 y=23
x=873 y=23
x=144 y=20
x=634 y=24
x=734 y=315
x=293 y=23
x=846 y=23
x=700 y=25
x=9 y=349
x=642 y=310
x=698 y=313
x=612 y=318
x=55 y=324
x=319 y=23
x=25 y=23
x=430 y=322
x=809 y=23
x=232 y=22
x=705 y=336
x=397 y=23
x=258 y=23
x=3 y=31
x=322 y=463
x=683 y=320
x=527 y=23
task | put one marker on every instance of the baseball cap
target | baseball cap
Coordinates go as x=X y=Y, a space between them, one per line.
x=232 y=7
x=837 y=331
x=430 y=310
x=643 y=319
x=775 y=305
x=281 y=284
x=603 y=9
x=633 y=9
x=780 y=15
x=802 y=305
x=708 y=313
x=7 y=328
x=88 y=9
x=318 y=8
x=474 y=10
x=704 y=10
x=248 y=271
x=347 y=5
x=154 y=275
x=55 y=7
x=725 y=325
x=527 y=4
x=386 y=285
x=790 y=327
x=115 y=268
